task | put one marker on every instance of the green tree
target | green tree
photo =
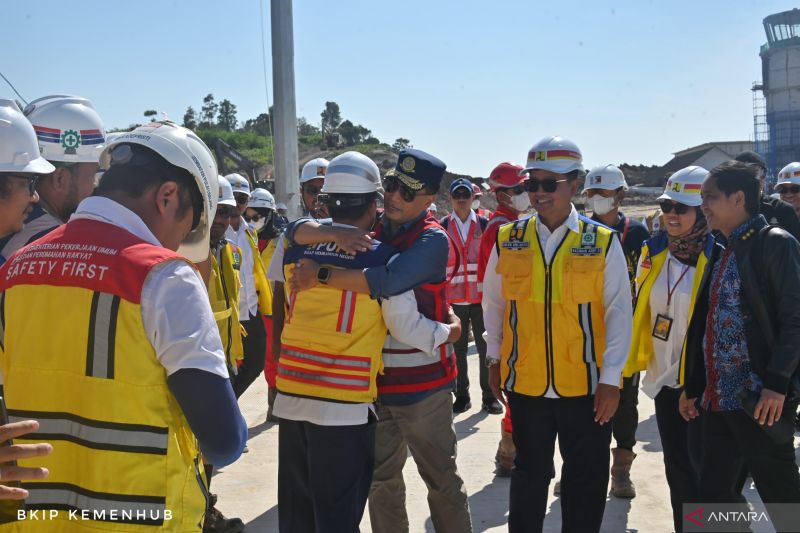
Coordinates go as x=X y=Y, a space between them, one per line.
x=208 y=113
x=304 y=128
x=259 y=125
x=331 y=117
x=353 y=134
x=151 y=114
x=189 y=119
x=401 y=144
x=226 y=119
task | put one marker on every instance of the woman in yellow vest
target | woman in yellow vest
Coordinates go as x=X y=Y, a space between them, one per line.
x=669 y=273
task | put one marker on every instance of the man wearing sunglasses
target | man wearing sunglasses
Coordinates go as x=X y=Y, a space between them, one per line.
x=255 y=299
x=70 y=135
x=130 y=380
x=557 y=310
x=415 y=406
x=788 y=185
x=777 y=211
x=312 y=177
x=605 y=188
x=466 y=228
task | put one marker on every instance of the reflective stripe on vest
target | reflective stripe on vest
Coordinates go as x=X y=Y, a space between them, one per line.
x=463 y=286
x=553 y=327
x=102 y=335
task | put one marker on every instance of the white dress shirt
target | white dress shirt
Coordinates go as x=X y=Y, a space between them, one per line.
x=663 y=369
x=616 y=301
x=404 y=323
x=248 y=297
x=176 y=312
x=463 y=226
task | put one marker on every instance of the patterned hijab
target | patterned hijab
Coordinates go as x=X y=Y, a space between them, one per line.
x=687 y=248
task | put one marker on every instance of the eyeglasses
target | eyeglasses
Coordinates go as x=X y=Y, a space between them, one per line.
x=254 y=218
x=392 y=184
x=241 y=199
x=680 y=209
x=532 y=185
x=789 y=189
x=32 y=180
x=310 y=189
x=514 y=191
x=461 y=194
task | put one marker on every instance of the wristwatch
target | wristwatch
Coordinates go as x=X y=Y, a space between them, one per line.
x=491 y=362
x=323 y=275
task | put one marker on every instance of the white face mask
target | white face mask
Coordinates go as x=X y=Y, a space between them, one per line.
x=600 y=205
x=520 y=202
x=258 y=224
x=476 y=204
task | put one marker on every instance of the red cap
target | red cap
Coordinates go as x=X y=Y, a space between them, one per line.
x=506 y=175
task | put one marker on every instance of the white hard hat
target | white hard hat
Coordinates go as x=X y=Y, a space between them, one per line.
x=607 y=177
x=19 y=151
x=225 y=196
x=432 y=208
x=182 y=148
x=789 y=174
x=239 y=183
x=281 y=206
x=316 y=168
x=684 y=186
x=352 y=173
x=555 y=154
x=262 y=198
x=68 y=128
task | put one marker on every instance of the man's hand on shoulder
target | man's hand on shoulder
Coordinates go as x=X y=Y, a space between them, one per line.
x=353 y=240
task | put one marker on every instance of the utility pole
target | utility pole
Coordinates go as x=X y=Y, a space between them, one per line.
x=287 y=182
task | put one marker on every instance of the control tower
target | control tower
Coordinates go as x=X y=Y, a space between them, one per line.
x=776 y=110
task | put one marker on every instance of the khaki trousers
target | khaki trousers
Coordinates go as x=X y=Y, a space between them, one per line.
x=426 y=430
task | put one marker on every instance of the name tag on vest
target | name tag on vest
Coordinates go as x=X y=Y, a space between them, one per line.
x=587 y=251
x=516 y=245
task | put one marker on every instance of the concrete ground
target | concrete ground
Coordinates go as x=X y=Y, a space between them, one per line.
x=248 y=488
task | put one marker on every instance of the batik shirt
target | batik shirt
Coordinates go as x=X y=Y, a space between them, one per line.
x=727 y=361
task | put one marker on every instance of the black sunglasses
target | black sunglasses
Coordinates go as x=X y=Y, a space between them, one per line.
x=227 y=211
x=254 y=218
x=789 y=189
x=680 y=209
x=30 y=179
x=514 y=191
x=532 y=185
x=461 y=194
x=310 y=189
x=392 y=184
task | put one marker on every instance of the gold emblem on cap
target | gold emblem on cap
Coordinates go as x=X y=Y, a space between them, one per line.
x=408 y=163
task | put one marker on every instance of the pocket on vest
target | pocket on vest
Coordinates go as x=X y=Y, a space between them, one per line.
x=583 y=278
x=516 y=268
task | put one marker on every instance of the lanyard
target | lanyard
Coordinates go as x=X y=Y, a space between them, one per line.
x=625 y=231
x=671 y=291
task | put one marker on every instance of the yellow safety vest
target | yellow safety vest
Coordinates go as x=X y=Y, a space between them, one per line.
x=554 y=320
x=223 y=292
x=266 y=259
x=263 y=287
x=642 y=344
x=332 y=339
x=78 y=360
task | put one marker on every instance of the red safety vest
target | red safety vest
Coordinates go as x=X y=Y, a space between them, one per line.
x=464 y=286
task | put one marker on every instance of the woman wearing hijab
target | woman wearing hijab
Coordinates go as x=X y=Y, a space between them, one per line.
x=669 y=271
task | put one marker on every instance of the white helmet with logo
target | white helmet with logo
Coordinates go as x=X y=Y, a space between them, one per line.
x=607 y=177
x=262 y=198
x=184 y=149
x=352 y=173
x=239 y=183
x=225 y=196
x=68 y=128
x=432 y=208
x=316 y=168
x=555 y=154
x=19 y=151
x=789 y=174
x=684 y=186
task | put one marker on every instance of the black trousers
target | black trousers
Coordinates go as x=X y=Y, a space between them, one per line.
x=324 y=475
x=626 y=419
x=682 y=477
x=255 y=348
x=731 y=441
x=471 y=315
x=584 y=446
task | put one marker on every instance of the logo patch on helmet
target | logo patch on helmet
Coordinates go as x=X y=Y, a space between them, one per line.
x=70 y=141
x=320 y=171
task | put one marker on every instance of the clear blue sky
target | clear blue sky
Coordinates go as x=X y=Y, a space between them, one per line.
x=475 y=83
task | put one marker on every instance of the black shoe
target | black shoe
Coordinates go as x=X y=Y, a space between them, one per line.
x=461 y=404
x=215 y=521
x=493 y=407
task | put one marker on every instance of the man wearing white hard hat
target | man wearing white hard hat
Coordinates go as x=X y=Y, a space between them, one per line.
x=255 y=299
x=149 y=388
x=557 y=311
x=327 y=435
x=775 y=210
x=605 y=188
x=311 y=179
x=70 y=136
x=788 y=185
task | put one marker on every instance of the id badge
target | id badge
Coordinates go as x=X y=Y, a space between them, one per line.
x=662 y=327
